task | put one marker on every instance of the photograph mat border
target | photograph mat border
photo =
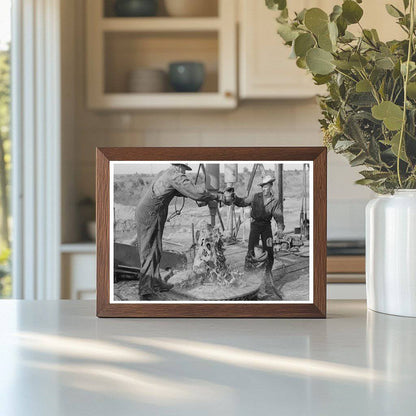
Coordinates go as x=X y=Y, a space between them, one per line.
x=112 y=163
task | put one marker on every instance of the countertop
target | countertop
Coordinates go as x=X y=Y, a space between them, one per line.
x=57 y=358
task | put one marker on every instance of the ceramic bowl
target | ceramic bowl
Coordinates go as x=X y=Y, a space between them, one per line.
x=135 y=8
x=147 y=80
x=186 y=76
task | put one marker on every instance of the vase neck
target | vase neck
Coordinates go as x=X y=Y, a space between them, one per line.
x=405 y=192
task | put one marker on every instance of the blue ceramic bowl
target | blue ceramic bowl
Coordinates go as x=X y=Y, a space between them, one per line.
x=186 y=76
x=135 y=8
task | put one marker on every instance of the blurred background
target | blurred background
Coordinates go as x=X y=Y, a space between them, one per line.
x=99 y=73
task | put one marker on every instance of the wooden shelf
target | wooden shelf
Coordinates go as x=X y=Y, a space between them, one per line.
x=163 y=101
x=159 y=24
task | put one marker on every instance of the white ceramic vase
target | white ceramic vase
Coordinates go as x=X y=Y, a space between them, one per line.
x=391 y=253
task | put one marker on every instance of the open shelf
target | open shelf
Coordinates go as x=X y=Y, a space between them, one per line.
x=160 y=24
x=127 y=51
x=116 y=46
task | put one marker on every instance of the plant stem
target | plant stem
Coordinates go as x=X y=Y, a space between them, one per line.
x=345 y=75
x=406 y=79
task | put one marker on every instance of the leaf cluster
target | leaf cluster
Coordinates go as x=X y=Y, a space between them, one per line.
x=365 y=78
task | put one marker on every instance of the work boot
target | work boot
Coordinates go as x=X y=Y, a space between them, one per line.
x=262 y=295
x=162 y=286
x=146 y=296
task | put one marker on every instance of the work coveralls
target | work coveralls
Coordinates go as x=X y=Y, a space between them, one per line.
x=262 y=211
x=151 y=214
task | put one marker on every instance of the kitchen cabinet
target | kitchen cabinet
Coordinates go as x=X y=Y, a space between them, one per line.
x=265 y=70
x=118 y=45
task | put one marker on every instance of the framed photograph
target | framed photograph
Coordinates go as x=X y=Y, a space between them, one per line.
x=211 y=232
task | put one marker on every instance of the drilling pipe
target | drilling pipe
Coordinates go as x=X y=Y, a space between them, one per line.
x=212 y=184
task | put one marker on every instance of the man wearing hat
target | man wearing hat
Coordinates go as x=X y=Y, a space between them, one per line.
x=264 y=207
x=151 y=215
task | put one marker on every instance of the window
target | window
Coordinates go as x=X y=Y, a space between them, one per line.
x=5 y=145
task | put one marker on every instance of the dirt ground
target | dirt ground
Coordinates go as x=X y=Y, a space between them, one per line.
x=293 y=285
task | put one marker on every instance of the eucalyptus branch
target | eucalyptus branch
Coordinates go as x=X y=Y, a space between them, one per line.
x=345 y=75
x=373 y=89
x=406 y=79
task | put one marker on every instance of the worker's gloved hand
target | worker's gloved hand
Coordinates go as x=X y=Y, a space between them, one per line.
x=229 y=196
x=220 y=198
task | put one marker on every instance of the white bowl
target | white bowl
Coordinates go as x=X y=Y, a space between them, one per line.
x=146 y=80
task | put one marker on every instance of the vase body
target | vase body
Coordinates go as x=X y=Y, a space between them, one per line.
x=391 y=253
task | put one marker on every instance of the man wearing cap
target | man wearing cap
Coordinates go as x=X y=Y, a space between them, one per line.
x=264 y=207
x=151 y=214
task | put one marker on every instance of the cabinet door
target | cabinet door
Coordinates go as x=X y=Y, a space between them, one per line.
x=265 y=68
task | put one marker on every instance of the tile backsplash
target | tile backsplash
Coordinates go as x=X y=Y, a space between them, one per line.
x=271 y=123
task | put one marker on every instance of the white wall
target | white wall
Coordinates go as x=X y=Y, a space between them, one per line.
x=265 y=123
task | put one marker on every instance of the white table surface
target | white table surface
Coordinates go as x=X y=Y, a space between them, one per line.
x=57 y=358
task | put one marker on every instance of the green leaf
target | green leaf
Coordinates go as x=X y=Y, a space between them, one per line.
x=324 y=42
x=347 y=37
x=412 y=67
x=327 y=40
x=286 y=32
x=364 y=181
x=301 y=63
x=336 y=12
x=385 y=63
x=351 y=11
x=303 y=43
x=358 y=61
x=393 y=11
x=368 y=36
x=316 y=20
x=363 y=86
x=301 y=15
x=276 y=4
x=342 y=25
x=343 y=145
x=406 y=4
x=374 y=175
x=333 y=32
x=374 y=150
x=391 y=114
x=411 y=90
x=321 y=79
x=343 y=65
x=319 y=61
x=361 y=99
x=394 y=144
x=358 y=160
x=375 y=35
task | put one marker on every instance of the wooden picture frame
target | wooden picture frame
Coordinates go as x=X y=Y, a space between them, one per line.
x=314 y=308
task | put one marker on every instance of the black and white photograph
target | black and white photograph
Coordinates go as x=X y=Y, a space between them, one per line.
x=211 y=232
